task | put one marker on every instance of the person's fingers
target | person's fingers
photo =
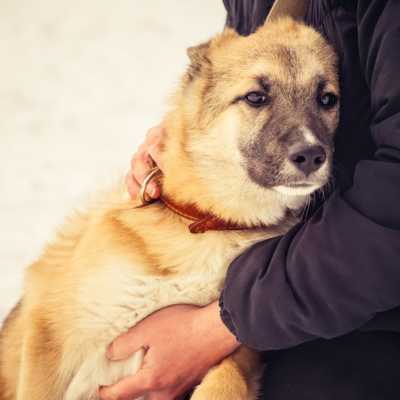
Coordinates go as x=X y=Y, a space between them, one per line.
x=155 y=154
x=147 y=156
x=154 y=141
x=164 y=395
x=152 y=145
x=142 y=154
x=141 y=167
x=132 y=186
x=128 y=388
x=126 y=344
x=153 y=190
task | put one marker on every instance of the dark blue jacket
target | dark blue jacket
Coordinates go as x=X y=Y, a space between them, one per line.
x=339 y=271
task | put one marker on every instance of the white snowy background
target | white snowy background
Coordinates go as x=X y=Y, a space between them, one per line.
x=80 y=84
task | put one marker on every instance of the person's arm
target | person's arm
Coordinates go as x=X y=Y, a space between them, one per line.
x=336 y=272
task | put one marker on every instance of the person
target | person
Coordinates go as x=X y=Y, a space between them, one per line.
x=323 y=301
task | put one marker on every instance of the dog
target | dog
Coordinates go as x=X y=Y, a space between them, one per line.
x=249 y=137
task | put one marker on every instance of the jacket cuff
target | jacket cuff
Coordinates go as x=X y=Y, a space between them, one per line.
x=226 y=316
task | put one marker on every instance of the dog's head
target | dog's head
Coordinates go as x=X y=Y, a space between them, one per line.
x=257 y=117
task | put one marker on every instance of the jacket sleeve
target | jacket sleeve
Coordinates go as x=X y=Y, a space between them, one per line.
x=333 y=274
x=245 y=16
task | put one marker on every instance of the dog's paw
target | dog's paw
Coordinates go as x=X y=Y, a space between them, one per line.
x=219 y=391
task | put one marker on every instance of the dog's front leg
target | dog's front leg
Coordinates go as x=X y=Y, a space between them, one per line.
x=235 y=378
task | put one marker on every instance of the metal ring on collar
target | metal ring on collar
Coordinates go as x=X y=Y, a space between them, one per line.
x=143 y=196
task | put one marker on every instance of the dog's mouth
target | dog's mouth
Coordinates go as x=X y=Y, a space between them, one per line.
x=300 y=184
x=299 y=188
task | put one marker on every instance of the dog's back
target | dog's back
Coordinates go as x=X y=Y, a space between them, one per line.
x=10 y=353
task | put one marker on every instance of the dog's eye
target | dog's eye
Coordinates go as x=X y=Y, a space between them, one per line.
x=327 y=100
x=256 y=99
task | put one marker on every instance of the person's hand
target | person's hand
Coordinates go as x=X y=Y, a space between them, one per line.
x=143 y=160
x=183 y=342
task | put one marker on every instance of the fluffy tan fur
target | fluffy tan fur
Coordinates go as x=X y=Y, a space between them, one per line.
x=114 y=264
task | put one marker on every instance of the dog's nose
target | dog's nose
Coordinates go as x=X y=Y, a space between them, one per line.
x=308 y=159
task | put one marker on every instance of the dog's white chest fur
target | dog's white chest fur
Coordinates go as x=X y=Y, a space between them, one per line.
x=121 y=294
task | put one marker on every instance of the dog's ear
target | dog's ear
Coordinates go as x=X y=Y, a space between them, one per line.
x=198 y=58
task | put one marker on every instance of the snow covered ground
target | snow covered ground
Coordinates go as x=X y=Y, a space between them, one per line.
x=80 y=83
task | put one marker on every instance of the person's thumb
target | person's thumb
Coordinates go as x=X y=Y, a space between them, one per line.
x=130 y=387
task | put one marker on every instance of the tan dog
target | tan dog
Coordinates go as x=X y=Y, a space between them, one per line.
x=249 y=138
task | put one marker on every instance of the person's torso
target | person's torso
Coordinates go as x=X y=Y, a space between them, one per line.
x=337 y=21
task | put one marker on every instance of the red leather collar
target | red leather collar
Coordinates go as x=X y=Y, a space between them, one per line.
x=203 y=222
